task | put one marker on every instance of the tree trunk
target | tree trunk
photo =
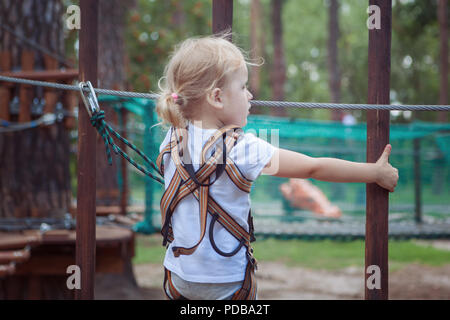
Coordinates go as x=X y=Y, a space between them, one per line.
x=442 y=116
x=111 y=75
x=179 y=15
x=278 y=72
x=257 y=43
x=34 y=163
x=443 y=32
x=334 y=81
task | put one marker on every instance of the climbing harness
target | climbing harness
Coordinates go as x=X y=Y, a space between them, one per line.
x=185 y=181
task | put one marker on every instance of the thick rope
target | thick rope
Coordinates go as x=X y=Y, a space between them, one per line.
x=76 y=88
x=254 y=103
x=98 y=121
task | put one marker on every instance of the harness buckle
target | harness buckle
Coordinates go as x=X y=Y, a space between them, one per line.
x=90 y=101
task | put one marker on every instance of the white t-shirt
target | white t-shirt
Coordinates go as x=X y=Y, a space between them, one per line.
x=205 y=265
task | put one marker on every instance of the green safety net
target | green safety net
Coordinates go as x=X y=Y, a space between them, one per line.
x=295 y=128
x=144 y=110
x=422 y=143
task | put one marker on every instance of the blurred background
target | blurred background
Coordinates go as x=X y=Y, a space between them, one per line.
x=313 y=51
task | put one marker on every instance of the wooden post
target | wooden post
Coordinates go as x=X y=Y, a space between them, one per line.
x=85 y=243
x=222 y=11
x=377 y=203
x=70 y=100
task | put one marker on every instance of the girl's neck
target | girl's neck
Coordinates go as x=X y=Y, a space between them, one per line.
x=206 y=124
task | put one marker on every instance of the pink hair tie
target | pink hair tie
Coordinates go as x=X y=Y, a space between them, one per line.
x=174 y=96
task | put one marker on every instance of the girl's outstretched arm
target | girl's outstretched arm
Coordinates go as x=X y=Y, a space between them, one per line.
x=290 y=164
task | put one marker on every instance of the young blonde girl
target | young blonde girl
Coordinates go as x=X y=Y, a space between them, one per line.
x=204 y=90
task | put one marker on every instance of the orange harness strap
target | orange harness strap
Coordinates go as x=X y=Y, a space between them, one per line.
x=169 y=289
x=182 y=185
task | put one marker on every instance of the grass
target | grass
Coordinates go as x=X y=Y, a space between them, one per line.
x=326 y=254
x=149 y=250
x=331 y=255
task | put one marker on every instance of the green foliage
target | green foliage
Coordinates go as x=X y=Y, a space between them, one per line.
x=415 y=36
x=152 y=32
x=415 y=55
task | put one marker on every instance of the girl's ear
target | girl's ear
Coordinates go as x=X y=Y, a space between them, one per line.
x=214 y=98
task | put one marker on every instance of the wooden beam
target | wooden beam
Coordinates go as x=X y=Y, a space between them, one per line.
x=50 y=95
x=222 y=12
x=377 y=198
x=44 y=75
x=26 y=91
x=16 y=256
x=7 y=269
x=109 y=260
x=85 y=243
x=5 y=89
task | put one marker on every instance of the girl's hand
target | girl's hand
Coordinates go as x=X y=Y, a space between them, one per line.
x=387 y=175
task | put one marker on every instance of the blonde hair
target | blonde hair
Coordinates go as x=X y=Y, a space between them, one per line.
x=196 y=66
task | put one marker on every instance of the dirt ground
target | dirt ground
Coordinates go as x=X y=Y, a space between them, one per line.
x=278 y=281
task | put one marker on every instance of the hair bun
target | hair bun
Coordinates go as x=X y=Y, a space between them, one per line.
x=177 y=98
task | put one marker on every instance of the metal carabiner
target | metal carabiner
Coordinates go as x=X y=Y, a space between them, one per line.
x=90 y=102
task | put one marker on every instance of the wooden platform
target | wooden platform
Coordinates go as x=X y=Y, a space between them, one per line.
x=49 y=256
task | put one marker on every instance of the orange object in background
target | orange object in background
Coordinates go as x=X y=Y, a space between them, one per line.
x=304 y=195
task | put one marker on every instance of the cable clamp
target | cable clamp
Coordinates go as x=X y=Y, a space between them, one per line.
x=89 y=98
